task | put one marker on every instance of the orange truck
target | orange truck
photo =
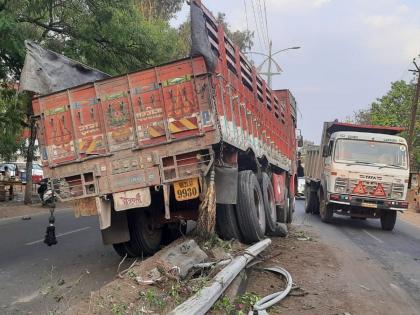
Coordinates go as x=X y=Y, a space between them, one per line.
x=138 y=149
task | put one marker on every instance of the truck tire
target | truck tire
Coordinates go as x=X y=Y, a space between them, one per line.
x=291 y=210
x=311 y=201
x=120 y=249
x=269 y=203
x=250 y=208
x=145 y=239
x=388 y=219
x=325 y=211
x=283 y=212
x=227 y=222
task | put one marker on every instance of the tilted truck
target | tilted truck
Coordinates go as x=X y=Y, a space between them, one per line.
x=138 y=149
x=358 y=171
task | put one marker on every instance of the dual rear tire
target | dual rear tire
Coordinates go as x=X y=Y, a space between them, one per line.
x=255 y=213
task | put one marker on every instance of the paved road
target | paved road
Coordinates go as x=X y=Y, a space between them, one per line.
x=37 y=279
x=397 y=253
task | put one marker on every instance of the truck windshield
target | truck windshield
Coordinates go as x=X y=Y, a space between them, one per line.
x=371 y=152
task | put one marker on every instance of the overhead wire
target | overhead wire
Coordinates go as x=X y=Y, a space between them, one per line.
x=257 y=29
x=261 y=22
x=266 y=22
x=246 y=17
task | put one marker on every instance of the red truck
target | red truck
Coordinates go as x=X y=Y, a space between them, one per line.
x=137 y=149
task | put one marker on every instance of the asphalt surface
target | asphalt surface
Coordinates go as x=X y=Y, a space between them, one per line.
x=396 y=253
x=37 y=279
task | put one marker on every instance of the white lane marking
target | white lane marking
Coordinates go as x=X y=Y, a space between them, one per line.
x=62 y=234
x=373 y=236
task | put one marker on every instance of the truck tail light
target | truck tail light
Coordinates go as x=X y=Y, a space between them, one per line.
x=335 y=197
x=334 y=173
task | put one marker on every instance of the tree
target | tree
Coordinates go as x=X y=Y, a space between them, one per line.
x=12 y=108
x=394 y=109
x=362 y=117
x=243 y=39
x=159 y=9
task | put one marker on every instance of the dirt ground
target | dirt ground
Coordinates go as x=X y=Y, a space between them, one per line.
x=314 y=268
x=323 y=284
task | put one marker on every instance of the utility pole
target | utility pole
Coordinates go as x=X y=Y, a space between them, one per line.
x=414 y=109
x=269 y=58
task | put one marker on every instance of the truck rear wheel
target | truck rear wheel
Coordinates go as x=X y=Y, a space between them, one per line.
x=311 y=201
x=283 y=212
x=250 y=209
x=388 y=219
x=269 y=203
x=291 y=210
x=325 y=211
x=227 y=222
x=145 y=237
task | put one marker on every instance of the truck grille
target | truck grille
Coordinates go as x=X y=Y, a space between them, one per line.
x=369 y=186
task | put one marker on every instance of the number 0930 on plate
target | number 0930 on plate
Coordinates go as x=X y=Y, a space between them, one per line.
x=186 y=189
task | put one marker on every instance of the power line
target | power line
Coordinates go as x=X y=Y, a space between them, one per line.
x=261 y=22
x=256 y=26
x=246 y=17
x=266 y=22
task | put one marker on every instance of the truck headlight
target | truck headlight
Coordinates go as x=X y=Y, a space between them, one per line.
x=341 y=185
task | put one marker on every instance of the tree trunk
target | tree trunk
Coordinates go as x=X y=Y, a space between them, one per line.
x=30 y=156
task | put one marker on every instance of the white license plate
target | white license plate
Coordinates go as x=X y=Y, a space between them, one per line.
x=137 y=198
x=369 y=205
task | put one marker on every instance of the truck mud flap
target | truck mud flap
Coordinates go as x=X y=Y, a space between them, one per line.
x=118 y=231
x=226 y=185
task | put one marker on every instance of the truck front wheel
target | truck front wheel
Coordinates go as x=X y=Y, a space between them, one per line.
x=325 y=211
x=388 y=219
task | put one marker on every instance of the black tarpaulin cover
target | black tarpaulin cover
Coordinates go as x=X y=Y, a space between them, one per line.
x=200 y=43
x=46 y=72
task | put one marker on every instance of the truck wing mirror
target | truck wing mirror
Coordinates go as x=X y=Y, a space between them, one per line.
x=325 y=150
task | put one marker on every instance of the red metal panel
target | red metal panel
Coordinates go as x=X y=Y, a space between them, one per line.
x=117 y=115
x=88 y=123
x=58 y=128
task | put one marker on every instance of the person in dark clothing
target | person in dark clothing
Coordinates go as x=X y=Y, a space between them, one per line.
x=300 y=170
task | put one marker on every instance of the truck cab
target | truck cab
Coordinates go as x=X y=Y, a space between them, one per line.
x=363 y=172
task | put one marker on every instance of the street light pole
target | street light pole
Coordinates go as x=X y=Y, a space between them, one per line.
x=270 y=60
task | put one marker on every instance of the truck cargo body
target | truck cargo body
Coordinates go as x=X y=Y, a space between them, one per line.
x=360 y=171
x=148 y=139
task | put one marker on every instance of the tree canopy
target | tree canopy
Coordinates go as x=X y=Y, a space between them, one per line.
x=394 y=109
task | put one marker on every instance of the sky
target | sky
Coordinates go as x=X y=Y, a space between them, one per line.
x=351 y=50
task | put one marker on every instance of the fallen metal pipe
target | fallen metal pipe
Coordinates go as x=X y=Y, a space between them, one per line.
x=203 y=300
x=274 y=298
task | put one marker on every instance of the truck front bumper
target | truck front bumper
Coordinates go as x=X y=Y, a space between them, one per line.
x=367 y=202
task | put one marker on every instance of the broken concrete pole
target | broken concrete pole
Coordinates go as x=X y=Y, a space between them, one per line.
x=202 y=301
x=184 y=256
